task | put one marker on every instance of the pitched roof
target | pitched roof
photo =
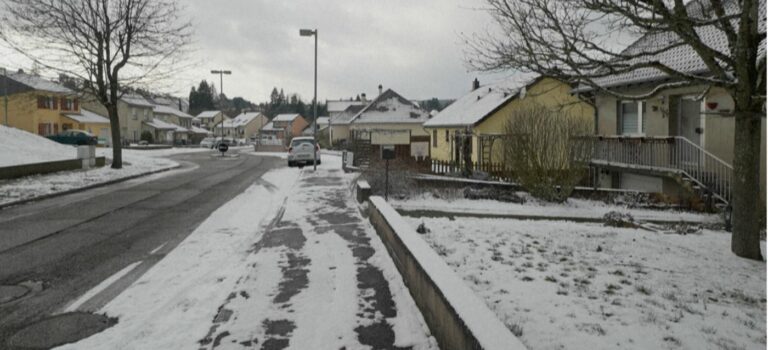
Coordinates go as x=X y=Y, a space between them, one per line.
x=339 y=106
x=271 y=127
x=683 y=58
x=161 y=125
x=136 y=100
x=473 y=107
x=20 y=81
x=86 y=116
x=391 y=108
x=207 y=114
x=162 y=109
x=197 y=130
x=242 y=119
x=322 y=124
x=345 y=117
x=285 y=117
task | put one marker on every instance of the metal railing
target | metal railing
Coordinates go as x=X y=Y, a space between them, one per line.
x=666 y=154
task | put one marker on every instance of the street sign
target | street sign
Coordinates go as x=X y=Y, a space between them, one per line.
x=223 y=147
x=388 y=152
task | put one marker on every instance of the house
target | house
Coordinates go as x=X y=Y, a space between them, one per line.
x=171 y=115
x=132 y=110
x=484 y=112
x=89 y=121
x=339 y=124
x=36 y=104
x=393 y=121
x=244 y=126
x=676 y=141
x=322 y=126
x=209 y=119
x=284 y=127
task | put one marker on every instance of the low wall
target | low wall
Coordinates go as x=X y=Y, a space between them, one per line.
x=457 y=318
x=17 y=171
x=269 y=148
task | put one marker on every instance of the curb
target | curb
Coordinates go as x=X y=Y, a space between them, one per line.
x=85 y=188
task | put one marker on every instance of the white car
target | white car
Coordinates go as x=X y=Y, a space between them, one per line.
x=207 y=142
x=301 y=150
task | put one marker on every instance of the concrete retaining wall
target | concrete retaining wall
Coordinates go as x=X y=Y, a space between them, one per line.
x=13 y=172
x=457 y=318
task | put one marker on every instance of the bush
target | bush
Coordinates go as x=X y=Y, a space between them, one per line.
x=546 y=151
x=147 y=136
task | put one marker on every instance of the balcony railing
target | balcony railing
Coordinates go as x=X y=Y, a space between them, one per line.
x=674 y=154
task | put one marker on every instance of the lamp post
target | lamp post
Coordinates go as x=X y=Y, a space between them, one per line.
x=310 y=32
x=5 y=94
x=221 y=73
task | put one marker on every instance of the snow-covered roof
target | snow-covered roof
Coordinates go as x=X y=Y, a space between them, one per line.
x=35 y=82
x=207 y=114
x=341 y=105
x=136 y=100
x=285 y=117
x=322 y=124
x=86 y=116
x=476 y=105
x=391 y=108
x=162 y=125
x=345 y=117
x=242 y=120
x=271 y=127
x=682 y=58
x=161 y=109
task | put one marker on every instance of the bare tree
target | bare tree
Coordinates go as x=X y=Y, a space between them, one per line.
x=582 y=41
x=110 y=45
x=546 y=150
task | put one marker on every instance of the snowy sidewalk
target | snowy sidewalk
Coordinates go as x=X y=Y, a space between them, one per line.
x=319 y=278
x=290 y=263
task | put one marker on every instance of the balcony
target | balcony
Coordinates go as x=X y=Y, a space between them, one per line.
x=673 y=155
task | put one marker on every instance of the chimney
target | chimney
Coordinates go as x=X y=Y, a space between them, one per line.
x=363 y=98
x=380 y=88
x=475 y=84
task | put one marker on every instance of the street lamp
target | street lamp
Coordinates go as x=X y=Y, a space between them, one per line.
x=310 y=32
x=5 y=94
x=221 y=73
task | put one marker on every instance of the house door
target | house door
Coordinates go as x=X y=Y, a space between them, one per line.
x=690 y=120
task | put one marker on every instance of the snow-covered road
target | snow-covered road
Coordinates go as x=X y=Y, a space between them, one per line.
x=288 y=263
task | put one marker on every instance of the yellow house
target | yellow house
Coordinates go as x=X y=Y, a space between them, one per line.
x=36 y=104
x=484 y=113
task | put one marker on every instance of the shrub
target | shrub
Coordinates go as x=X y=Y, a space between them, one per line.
x=147 y=136
x=546 y=150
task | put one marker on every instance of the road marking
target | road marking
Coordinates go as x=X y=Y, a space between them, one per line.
x=101 y=287
x=158 y=248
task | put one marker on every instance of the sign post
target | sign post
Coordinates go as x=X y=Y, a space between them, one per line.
x=387 y=152
x=223 y=148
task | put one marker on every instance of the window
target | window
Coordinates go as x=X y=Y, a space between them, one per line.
x=447 y=138
x=434 y=138
x=68 y=104
x=632 y=117
x=134 y=113
x=46 y=102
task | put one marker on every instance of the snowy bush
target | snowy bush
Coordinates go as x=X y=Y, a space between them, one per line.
x=547 y=151
x=493 y=194
x=618 y=219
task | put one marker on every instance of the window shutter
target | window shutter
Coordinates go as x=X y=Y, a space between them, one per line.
x=41 y=129
x=64 y=104
x=75 y=104
x=55 y=103
x=55 y=128
x=619 y=119
x=40 y=102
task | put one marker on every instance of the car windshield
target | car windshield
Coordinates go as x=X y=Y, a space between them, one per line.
x=295 y=143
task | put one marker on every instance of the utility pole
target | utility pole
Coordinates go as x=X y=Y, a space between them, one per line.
x=5 y=94
x=309 y=32
x=221 y=73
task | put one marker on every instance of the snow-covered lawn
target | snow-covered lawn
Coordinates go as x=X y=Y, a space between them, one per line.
x=573 y=208
x=566 y=285
x=19 y=147
x=134 y=163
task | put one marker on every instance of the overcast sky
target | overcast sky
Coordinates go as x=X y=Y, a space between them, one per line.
x=412 y=46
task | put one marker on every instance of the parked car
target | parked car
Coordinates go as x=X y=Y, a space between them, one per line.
x=301 y=150
x=207 y=142
x=75 y=137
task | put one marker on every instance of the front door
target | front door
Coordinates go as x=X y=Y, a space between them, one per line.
x=690 y=120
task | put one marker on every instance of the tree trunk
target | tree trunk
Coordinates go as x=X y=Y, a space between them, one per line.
x=746 y=184
x=117 y=145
